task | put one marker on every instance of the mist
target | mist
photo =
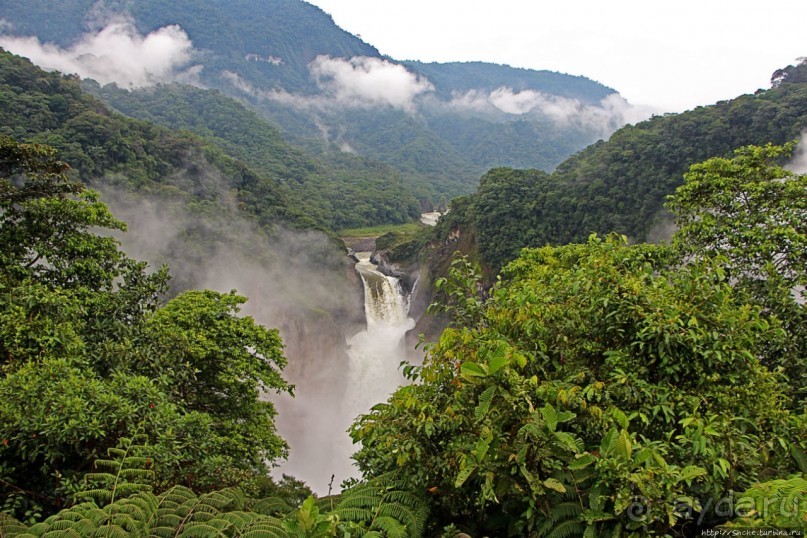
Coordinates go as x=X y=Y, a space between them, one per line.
x=368 y=82
x=604 y=118
x=115 y=53
x=296 y=281
x=358 y=82
x=798 y=164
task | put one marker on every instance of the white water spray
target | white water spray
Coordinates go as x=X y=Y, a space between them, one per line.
x=373 y=374
x=377 y=352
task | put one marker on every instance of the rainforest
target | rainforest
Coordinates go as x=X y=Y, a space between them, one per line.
x=234 y=302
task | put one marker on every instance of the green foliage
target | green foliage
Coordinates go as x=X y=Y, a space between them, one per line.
x=596 y=391
x=376 y=508
x=91 y=359
x=621 y=185
x=459 y=294
x=219 y=363
x=128 y=471
x=777 y=503
x=752 y=213
x=334 y=191
x=109 y=149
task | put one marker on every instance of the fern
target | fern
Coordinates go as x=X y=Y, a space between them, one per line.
x=126 y=472
x=566 y=529
x=381 y=508
x=777 y=503
x=10 y=526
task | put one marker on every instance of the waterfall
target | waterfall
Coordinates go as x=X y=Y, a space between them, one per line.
x=385 y=303
x=375 y=353
x=322 y=412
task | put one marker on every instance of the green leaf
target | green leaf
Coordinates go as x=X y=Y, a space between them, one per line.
x=619 y=417
x=568 y=441
x=554 y=485
x=484 y=403
x=550 y=417
x=497 y=362
x=463 y=475
x=624 y=446
x=470 y=370
x=593 y=516
x=582 y=462
x=690 y=472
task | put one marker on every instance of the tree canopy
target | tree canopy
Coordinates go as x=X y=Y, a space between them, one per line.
x=606 y=388
x=91 y=353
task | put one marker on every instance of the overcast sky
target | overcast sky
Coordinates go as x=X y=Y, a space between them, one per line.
x=671 y=55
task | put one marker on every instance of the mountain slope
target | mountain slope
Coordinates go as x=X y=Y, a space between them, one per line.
x=335 y=190
x=240 y=35
x=621 y=185
x=330 y=91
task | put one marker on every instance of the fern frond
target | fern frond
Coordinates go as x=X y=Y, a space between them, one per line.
x=10 y=527
x=567 y=529
x=391 y=526
x=272 y=506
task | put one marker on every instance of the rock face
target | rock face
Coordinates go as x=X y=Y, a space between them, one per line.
x=407 y=275
x=360 y=244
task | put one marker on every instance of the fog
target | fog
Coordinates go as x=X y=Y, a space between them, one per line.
x=115 y=53
x=799 y=162
x=296 y=281
x=604 y=118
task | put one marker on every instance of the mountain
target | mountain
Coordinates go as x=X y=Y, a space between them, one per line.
x=334 y=189
x=267 y=43
x=213 y=219
x=440 y=125
x=620 y=185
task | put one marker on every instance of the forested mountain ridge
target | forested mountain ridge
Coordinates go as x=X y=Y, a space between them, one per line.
x=291 y=186
x=240 y=36
x=188 y=202
x=325 y=88
x=453 y=77
x=52 y=109
x=620 y=185
x=334 y=189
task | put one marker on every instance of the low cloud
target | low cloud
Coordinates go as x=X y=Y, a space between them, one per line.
x=604 y=117
x=358 y=82
x=115 y=53
x=368 y=82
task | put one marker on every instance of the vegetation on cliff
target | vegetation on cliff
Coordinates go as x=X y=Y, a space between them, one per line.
x=620 y=185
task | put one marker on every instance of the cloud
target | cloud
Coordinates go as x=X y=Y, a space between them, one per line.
x=368 y=82
x=358 y=82
x=604 y=117
x=115 y=53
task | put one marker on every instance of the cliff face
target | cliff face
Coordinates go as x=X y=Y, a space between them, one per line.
x=315 y=336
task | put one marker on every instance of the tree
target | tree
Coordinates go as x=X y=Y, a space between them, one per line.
x=601 y=391
x=220 y=364
x=753 y=213
x=90 y=355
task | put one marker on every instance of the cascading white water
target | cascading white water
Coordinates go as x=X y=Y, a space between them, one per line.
x=385 y=304
x=375 y=353
x=318 y=419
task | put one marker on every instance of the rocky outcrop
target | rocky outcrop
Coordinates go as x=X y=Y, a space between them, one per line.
x=407 y=275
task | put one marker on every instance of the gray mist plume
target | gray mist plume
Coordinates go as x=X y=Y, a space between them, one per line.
x=799 y=162
x=296 y=281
